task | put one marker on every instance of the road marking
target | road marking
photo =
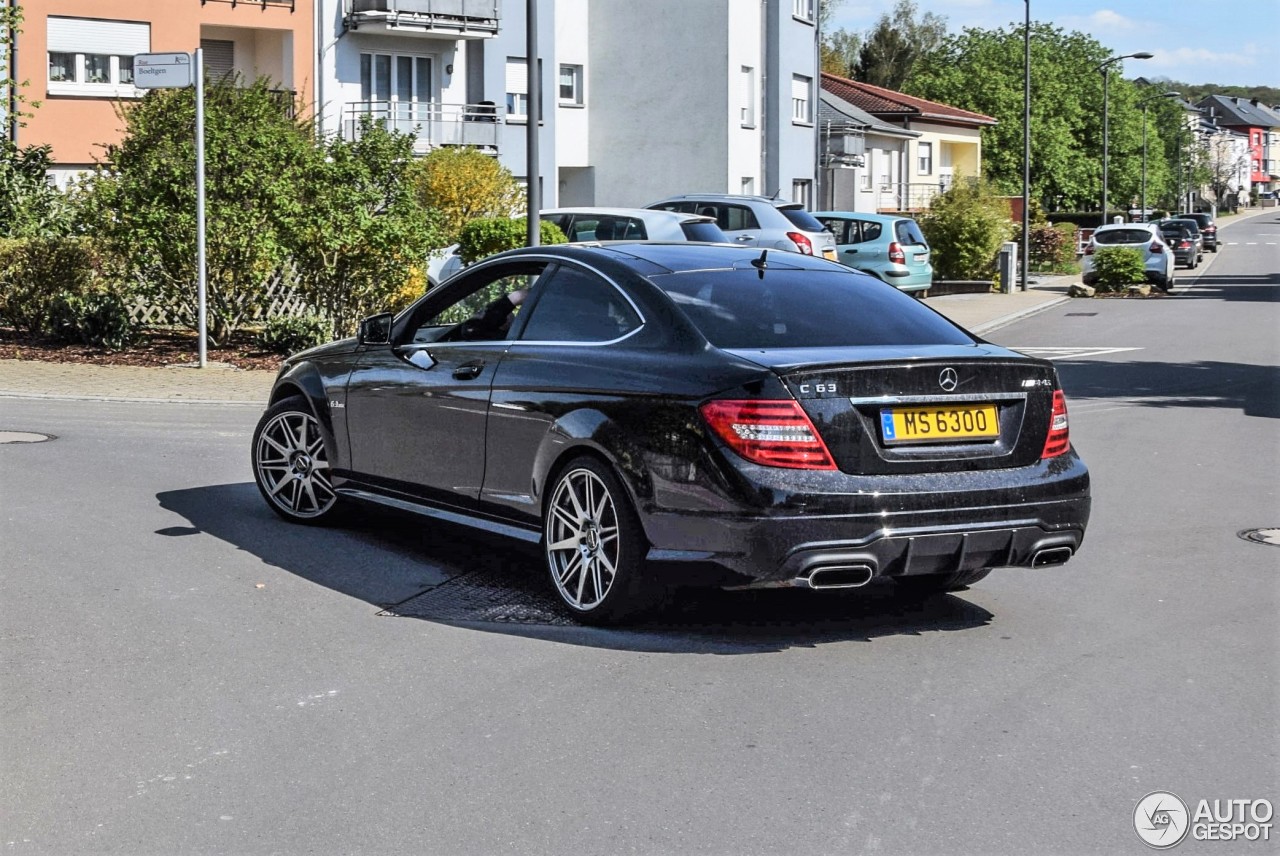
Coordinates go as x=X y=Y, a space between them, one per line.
x=1070 y=353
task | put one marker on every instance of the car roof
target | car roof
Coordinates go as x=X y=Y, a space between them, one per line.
x=1111 y=227
x=638 y=213
x=729 y=197
x=648 y=257
x=862 y=215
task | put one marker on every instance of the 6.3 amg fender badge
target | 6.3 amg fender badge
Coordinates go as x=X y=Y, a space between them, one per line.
x=948 y=379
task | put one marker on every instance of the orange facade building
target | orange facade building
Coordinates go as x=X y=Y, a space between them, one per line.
x=77 y=57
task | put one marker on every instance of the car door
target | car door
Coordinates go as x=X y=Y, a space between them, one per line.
x=417 y=408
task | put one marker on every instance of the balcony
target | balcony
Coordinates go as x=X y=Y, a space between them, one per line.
x=431 y=125
x=455 y=19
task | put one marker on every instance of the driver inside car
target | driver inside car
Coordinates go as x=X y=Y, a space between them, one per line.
x=495 y=320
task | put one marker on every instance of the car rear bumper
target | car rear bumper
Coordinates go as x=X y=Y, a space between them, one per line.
x=968 y=520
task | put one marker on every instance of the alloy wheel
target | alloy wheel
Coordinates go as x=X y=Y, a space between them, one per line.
x=292 y=466
x=583 y=544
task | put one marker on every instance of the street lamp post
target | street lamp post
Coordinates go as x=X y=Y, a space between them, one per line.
x=1146 y=103
x=1026 y=147
x=1105 y=68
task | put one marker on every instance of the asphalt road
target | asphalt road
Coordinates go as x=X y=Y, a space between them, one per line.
x=181 y=672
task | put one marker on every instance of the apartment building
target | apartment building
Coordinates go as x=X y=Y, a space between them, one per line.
x=78 y=58
x=639 y=100
x=1261 y=125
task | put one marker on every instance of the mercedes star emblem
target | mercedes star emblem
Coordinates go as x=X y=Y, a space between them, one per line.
x=948 y=379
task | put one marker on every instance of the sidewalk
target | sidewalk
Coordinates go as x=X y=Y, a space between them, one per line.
x=980 y=313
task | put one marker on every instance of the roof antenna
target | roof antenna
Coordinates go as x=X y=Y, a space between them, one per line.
x=761 y=263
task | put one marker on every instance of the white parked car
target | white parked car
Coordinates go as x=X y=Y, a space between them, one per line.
x=1157 y=255
x=592 y=225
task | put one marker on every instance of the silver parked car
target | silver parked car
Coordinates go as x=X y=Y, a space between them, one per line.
x=1145 y=237
x=757 y=221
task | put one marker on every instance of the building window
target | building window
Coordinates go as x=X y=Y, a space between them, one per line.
x=802 y=9
x=747 y=92
x=864 y=178
x=571 y=85
x=800 y=88
x=89 y=57
x=396 y=88
x=518 y=89
x=802 y=192
x=924 y=158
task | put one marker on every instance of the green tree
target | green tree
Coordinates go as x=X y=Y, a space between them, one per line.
x=892 y=47
x=840 y=52
x=360 y=231
x=10 y=86
x=143 y=199
x=982 y=70
x=965 y=227
x=462 y=184
x=29 y=206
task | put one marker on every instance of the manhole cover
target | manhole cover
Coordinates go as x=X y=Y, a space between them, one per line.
x=23 y=437
x=1262 y=536
x=487 y=596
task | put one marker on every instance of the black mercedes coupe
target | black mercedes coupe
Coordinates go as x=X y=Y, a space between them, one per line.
x=658 y=415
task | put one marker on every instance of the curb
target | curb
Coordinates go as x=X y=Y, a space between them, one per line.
x=1005 y=320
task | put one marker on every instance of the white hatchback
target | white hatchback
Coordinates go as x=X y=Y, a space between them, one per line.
x=1157 y=256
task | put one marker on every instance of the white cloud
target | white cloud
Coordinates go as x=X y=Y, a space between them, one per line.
x=1201 y=57
x=1099 y=24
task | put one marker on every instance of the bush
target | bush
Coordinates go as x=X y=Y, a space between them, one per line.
x=462 y=184
x=965 y=227
x=288 y=334
x=1085 y=219
x=1118 y=267
x=482 y=238
x=99 y=318
x=35 y=272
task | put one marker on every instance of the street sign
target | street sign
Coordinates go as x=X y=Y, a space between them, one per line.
x=162 y=71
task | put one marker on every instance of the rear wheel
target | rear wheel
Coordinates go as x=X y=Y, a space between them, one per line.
x=925 y=585
x=595 y=546
x=291 y=465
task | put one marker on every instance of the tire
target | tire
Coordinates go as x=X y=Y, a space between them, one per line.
x=595 y=547
x=291 y=465
x=927 y=585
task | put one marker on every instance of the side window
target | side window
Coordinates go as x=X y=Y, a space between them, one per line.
x=736 y=217
x=909 y=233
x=577 y=306
x=871 y=231
x=475 y=308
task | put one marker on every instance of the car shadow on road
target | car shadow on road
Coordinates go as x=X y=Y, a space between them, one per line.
x=1253 y=389
x=413 y=568
x=1252 y=288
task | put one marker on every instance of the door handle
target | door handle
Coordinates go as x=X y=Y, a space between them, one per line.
x=852 y=252
x=470 y=371
x=743 y=238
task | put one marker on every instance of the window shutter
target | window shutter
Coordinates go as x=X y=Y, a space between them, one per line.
x=82 y=35
x=517 y=76
x=219 y=58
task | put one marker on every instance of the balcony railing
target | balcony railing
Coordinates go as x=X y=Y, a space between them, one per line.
x=457 y=18
x=431 y=125
x=904 y=196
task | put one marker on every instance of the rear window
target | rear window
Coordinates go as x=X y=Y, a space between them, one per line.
x=1122 y=236
x=702 y=232
x=789 y=308
x=1191 y=225
x=802 y=219
x=909 y=233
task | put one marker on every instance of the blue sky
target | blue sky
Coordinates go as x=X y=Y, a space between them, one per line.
x=1231 y=42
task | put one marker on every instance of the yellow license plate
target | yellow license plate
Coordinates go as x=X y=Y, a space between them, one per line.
x=940 y=423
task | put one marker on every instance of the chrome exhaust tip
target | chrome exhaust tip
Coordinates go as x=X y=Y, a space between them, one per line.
x=837 y=577
x=1051 y=556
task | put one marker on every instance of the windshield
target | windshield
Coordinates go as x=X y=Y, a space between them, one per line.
x=802 y=219
x=804 y=309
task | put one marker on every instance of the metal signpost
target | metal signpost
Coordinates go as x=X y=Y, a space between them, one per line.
x=178 y=71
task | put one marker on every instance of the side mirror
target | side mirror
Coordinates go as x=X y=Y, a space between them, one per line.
x=375 y=330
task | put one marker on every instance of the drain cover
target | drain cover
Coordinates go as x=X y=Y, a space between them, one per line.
x=487 y=596
x=23 y=437
x=1262 y=536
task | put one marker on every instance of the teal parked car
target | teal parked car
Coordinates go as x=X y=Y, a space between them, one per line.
x=887 y=246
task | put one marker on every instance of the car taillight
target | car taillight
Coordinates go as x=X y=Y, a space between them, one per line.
x=1089 y=248
x=1057 y=442
x=1184 y=245
x=802 y=243
x=1157 y=247
x=896 y=255
x=776 y=433
x=1211 y=229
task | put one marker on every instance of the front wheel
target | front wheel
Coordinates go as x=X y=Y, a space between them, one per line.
x=291 y=465
x=595 y=547
x=926 y=585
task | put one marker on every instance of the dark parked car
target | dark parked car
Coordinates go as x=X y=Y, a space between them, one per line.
x=1182 y=239
x=674 y=414
x=1208 y=228
x=1197 y=238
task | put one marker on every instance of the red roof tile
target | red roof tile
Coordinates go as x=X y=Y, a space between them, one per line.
x=879 y=101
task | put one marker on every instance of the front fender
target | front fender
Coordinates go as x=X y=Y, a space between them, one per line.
x=304 y=379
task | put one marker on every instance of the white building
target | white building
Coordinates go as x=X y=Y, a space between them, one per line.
x=639 y=100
